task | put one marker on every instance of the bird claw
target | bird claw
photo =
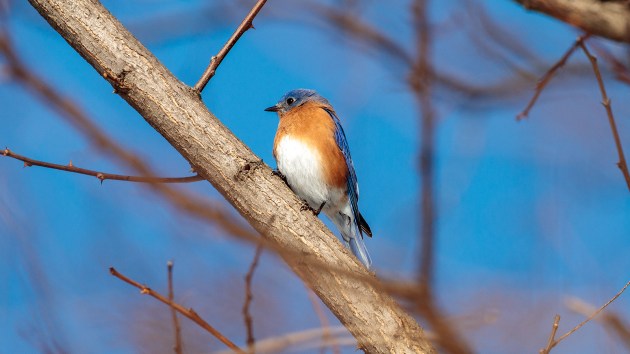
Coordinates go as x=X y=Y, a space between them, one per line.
x=305 y=206
x=279 y=174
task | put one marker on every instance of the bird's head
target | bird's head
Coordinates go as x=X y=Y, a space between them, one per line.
x=294 y=99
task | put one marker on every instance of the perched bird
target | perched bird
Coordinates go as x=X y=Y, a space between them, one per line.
x=312 y=155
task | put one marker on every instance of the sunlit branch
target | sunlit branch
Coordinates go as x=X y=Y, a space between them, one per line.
x=102 y=176
x=216 y=60
x=190 y=313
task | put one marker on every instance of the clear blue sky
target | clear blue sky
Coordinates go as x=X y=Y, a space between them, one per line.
x=530 y=213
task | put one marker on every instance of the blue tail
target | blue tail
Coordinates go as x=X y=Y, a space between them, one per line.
x=357 y=246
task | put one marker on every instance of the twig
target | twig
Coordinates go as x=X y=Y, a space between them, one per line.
x=102 y=176
x=217 y=59
x=327 y=336
x=588 y=319
x=542 y=83
x=248 y=299
x=171 y=295
x=623 y=166
x=552 y=335
x=612 y=321
x=190 y=313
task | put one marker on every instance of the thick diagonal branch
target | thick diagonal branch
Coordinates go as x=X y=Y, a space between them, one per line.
x=609 y=19
x=177 y=113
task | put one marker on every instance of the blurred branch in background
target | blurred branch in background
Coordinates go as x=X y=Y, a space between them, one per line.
x=247 y=316
x=178 y=347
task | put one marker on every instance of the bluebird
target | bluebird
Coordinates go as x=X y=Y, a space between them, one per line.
x=313 y=156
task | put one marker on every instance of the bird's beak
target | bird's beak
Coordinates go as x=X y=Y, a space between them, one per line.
x=272 y=108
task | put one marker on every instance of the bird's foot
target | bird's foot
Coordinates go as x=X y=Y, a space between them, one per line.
x=305 y=206
x=279 y=174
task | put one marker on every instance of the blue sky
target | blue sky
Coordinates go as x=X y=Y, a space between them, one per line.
x=530 y=212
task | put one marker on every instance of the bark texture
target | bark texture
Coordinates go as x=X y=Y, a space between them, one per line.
x=609 y=19
x=175 y=111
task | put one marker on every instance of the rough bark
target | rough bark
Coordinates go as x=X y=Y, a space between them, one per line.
x=174 y=110
x=609 y=19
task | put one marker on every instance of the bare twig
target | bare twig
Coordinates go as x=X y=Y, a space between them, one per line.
x=542 y=83
x=178 y=348
x=248 y=299
x=552 y=335
x=190 y=313
x=217 y=59
x=611 y=320
x=102 y=176
x=588 y=319
x=622 y=164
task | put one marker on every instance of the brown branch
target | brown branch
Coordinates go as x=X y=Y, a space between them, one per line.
x=542 y=83
x=190 y=313
x=552 y=335
x=588 y=319
x=612 y=321
x=248 y=299
x=102 y=176
x=216 y=60
x=622 y=164
x=610 y=19
x=178 y=348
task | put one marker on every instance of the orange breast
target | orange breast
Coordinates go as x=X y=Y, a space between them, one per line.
x=312 y=125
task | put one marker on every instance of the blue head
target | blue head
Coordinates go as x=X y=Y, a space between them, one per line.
x=296 y=98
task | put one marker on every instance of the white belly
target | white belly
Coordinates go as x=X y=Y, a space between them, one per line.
x=302 y=168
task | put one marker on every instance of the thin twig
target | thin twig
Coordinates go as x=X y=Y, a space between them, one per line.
x=217 y=59
x=248 y=299
x=178 y=348
x=588 y=319
x=102 y=176
x=611 y=320
x=542 y=83
x=552 y=335
x=190 y=313
x=623 y=166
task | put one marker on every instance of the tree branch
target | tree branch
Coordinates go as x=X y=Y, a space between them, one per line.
x=190 y=313
x=247 y=316
x=622 y=164
x=542 y=83
x=176 y=112
x=217 y=59
x=102 y=176
x=609 y=19
x=552 y=343
x=178 y=349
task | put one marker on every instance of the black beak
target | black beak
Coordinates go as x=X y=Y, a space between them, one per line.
x=272 y=109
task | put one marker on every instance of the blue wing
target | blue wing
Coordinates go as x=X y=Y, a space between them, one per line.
x=352 y=184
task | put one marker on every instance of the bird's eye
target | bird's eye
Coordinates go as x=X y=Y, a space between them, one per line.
x=290 y=100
